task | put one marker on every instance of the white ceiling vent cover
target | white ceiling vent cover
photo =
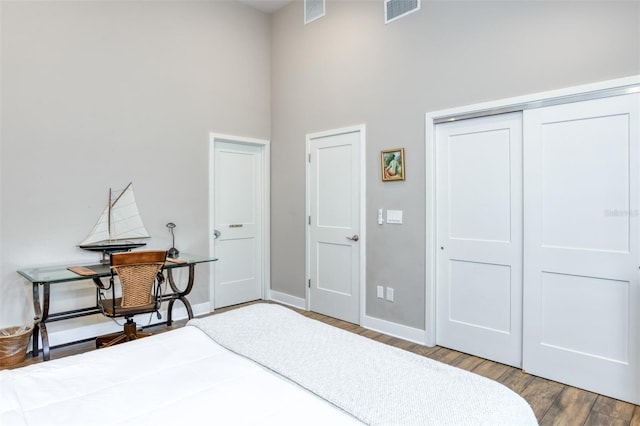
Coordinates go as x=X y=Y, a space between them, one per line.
x=395 y=9
x=313 y=9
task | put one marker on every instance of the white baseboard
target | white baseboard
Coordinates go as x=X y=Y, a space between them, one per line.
x=287 y=299
x=400 y=331
x=104 y=325
x=375 y=324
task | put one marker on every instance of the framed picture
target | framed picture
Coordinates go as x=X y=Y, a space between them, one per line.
x=392 y=162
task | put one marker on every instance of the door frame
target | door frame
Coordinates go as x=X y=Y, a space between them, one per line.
x=432 y=119
x=361 y=129
x=265 y=148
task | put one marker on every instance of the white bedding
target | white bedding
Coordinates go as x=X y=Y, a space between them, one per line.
x=376 y=383
x=185 y=377
x=181 y=377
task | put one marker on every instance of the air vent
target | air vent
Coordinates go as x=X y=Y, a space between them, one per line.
x=395 y=9
x=313 y=9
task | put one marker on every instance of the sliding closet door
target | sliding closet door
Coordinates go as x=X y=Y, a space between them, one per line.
x=582 y=214
x=479 y=234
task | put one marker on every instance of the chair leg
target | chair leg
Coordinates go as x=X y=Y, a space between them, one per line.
x=129 y=333
x=141 y=334
x=106 y=341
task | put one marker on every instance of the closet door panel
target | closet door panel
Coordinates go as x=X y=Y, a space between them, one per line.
x=479 y=216
x=581 y=215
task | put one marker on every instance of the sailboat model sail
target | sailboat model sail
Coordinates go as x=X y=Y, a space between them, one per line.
x=120 y=221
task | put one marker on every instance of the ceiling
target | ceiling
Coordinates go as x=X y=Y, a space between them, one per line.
x=267 y=6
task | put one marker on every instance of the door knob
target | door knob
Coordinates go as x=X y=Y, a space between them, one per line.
x=354 y=238
x=216 y=234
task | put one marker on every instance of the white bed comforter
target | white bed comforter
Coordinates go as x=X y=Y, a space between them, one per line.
x=377 y=383
x=185 y=377
x=181 y=377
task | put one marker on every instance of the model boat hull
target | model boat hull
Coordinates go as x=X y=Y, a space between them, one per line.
x=112 y=247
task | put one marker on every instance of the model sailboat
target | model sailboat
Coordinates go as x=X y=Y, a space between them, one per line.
x=119 y=223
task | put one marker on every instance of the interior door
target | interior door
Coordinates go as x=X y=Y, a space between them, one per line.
x=334 y=224
x=479 y=235
x=582 y=214
x=237 y=218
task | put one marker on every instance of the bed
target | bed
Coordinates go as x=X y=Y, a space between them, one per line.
x=261 y=364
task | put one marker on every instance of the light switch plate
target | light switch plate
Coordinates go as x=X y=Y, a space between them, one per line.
x=394 y=216
x=390 y=294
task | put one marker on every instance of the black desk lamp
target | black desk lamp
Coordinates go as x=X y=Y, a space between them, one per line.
x=173 y=251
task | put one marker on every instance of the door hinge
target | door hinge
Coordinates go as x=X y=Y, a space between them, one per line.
x=309 y=159
x=309 y=220
x=309 y=282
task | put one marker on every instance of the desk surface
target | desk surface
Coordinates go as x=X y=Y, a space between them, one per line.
x=60 y=273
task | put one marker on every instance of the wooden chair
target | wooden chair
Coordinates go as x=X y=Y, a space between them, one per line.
x=140 y=276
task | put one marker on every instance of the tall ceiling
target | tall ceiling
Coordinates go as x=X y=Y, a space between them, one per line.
x=267 y=6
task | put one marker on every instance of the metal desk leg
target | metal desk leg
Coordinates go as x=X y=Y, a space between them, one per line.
x=36 y=319
x=180 y=295
x=41 y=315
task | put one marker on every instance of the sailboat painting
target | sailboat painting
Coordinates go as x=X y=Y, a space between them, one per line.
x=120 y=222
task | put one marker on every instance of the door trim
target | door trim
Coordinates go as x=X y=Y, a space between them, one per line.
x=265 y=208
x=431 y=120
x=363 y=207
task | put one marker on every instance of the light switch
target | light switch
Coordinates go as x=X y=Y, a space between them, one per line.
x=394 y=216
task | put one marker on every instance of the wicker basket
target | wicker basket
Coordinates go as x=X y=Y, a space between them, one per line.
x=13 y=345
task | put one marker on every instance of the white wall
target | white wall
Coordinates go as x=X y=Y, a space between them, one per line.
x=97 y=94
x=350 y=68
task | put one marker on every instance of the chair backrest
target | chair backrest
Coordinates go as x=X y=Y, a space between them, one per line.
x=138 y=271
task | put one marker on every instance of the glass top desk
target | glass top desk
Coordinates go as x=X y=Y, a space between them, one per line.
x=45 y=276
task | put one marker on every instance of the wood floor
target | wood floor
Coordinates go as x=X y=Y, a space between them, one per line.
x=553 y=403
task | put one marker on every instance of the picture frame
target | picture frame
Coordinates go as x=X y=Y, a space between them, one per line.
x=392 y=164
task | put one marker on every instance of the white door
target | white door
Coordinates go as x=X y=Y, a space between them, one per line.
x=581 y=274
x=334 y=224
x=479 y=237
x=238 y=203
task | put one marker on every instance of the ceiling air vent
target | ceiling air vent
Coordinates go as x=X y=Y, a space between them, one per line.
x=395 y=9
x=313 y=9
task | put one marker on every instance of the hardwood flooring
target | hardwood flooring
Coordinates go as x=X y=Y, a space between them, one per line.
x=553 y=403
